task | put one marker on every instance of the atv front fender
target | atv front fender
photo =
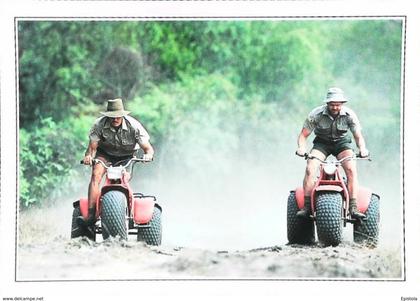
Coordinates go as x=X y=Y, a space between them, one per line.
x=83 y=204
x=300 y=197
x=364 y=196
x=329 y=188
x=143 y=209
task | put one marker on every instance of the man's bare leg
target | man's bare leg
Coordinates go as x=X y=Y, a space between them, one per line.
x=350 y=169
x=98 y=172
x=309 y=180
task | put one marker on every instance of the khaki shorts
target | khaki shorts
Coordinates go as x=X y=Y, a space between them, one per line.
x=332 y=148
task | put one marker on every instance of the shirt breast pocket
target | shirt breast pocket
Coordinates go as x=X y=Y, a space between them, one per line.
x=324 y=127
x=342 y=127
x=106 y=137
x=127 y=139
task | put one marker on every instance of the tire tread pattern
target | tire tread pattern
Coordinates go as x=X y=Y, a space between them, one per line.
x=368 y=231
x=153 y=234
x=299 y=231
x=329 y=218
x=113 y=214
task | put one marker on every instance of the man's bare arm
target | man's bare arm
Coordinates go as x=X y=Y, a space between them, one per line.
x=90 y=152
x=361 y=144
x=148 y=150
x=303 y=136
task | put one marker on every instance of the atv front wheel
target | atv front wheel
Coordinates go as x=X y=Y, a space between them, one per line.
x=152 y=235
x=113 y=211
x=329 y=223
x=367 y=230
x=299 y=230
x=77 y=230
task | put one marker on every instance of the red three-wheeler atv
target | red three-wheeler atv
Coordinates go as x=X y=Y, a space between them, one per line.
x=119 y=210
x=330 y=209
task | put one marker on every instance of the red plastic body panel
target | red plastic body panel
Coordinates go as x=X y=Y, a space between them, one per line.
x=300 y=197
x=329 y=188
x=84 y=205
x=363 y=199
x=123 y=187
x=108 y=186
x=337 y=184
x=143 y=209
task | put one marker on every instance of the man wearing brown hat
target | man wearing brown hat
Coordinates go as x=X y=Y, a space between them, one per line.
x=331 y=123
x=114 y=137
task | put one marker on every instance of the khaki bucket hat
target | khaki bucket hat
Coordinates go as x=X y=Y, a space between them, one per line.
x=335 y=95
x=115 y=108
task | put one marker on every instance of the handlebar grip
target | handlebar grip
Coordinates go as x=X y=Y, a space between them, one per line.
x=82 y=162
x=299 y=155
x=366 y=158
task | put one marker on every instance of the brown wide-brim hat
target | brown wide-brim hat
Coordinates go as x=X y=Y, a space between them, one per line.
x=115 y=109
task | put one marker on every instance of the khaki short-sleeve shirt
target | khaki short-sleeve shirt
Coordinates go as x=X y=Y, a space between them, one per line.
x=123 y=141
x=329 y=128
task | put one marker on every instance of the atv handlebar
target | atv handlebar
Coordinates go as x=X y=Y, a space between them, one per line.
x=353 y=157
x=134 y=159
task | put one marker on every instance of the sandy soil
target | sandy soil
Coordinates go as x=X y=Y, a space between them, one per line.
x=81 y=259
x=232 y=229
x=46 y=254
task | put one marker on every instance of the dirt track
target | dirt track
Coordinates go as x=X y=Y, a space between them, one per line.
x=204 y=242
x=81 y=259
x=56 y=257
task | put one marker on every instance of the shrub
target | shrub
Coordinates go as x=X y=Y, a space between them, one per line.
x=47 y=156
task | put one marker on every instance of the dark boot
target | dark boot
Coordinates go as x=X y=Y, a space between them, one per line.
x=354 y=212
x=305 y=212
x=90 y=221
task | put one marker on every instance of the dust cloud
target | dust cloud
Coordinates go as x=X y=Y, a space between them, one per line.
x=223 y=184
x=233 y=196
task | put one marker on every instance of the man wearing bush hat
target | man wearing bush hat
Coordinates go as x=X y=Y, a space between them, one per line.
x=331 y=123
x=114 y=137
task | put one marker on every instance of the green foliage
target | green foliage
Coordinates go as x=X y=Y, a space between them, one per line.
x=256 y=62
x=69 y=64
x=169 y=104
x=47 y=157
x=368 y=54
x=202 y=120
x=56 y=60
x=213 y=85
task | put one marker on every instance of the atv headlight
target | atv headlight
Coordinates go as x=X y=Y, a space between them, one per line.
x=330 y=168
x=114 y=173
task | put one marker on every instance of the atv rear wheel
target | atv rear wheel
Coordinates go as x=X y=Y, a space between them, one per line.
x=367 y=231
x=113 y=214
x=329 y=223
x=77 y=230
x=299 y=230
x=152 y=235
